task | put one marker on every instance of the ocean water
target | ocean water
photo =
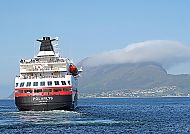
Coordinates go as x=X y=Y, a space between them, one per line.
x=102 y=115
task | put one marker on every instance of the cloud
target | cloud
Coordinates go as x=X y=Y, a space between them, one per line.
x=164 y=52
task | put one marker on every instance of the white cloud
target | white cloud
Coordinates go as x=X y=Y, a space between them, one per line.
x=165 y=52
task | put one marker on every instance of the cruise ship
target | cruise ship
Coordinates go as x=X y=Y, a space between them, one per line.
x=47 y=81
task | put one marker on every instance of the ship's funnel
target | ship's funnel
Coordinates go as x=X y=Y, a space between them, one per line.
x=46 y=44
x=46 y=47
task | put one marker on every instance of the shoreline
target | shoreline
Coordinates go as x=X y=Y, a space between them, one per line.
x=135 y=97
x=121 y=97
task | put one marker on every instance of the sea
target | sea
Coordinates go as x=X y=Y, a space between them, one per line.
x=102 y=116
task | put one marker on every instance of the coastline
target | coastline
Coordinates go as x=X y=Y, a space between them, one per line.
x=119 y=97
x=134 y=97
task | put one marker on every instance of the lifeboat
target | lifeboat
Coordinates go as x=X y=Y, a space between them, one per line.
x=73 y=70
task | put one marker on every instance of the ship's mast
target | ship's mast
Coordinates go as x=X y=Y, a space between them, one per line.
x=55 y=46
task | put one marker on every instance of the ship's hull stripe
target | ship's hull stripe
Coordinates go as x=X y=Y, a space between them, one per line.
x=44 y=93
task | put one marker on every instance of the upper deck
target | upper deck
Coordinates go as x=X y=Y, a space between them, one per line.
x=47 y=64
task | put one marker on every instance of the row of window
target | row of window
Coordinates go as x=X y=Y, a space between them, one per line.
x=42 y=83
x=43 y=90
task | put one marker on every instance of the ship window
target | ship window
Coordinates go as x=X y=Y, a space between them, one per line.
x=42 y=83
x=27 y=91
x=69 y=82
x=57 y=90
x=28 y=84
x=49 y=83
x=22 y=84
x=47 y=90
x=35 y=84
x=19 y=91
x=37 y=90
x=67 y=89
x=63 y=82
x=56 y=82
x=16 y=84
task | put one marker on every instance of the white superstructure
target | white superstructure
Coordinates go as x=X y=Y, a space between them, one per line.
x=46 y=66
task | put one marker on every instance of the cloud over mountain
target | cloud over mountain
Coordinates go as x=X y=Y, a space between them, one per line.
x=164 y=52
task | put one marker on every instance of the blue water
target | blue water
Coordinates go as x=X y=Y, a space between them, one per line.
x=116 y=115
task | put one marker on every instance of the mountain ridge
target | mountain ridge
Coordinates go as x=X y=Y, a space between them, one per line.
x=144 y=75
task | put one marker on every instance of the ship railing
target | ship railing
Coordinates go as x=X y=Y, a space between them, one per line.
x=40 y=77
x=44 y=69
x=22 y=61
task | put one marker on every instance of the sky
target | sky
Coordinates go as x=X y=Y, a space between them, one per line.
x=86 y=28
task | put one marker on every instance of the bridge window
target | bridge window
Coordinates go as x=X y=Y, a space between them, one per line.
x=49 y=83
x=47 y=90
x=28 y=84
x=22 y=84
x=57 y=90
x=35 y=84
x=63 y=82
x=37 y=90
x=67 y=89
x=56 y=82
x=42 y=83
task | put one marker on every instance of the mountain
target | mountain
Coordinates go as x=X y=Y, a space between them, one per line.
x=130 y=77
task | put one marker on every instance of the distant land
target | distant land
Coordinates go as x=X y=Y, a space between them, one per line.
x=145 y=79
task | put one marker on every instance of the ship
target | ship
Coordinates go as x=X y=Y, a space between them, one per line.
x=47 y=81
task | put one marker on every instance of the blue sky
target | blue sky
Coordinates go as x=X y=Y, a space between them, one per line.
x=87 y=28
